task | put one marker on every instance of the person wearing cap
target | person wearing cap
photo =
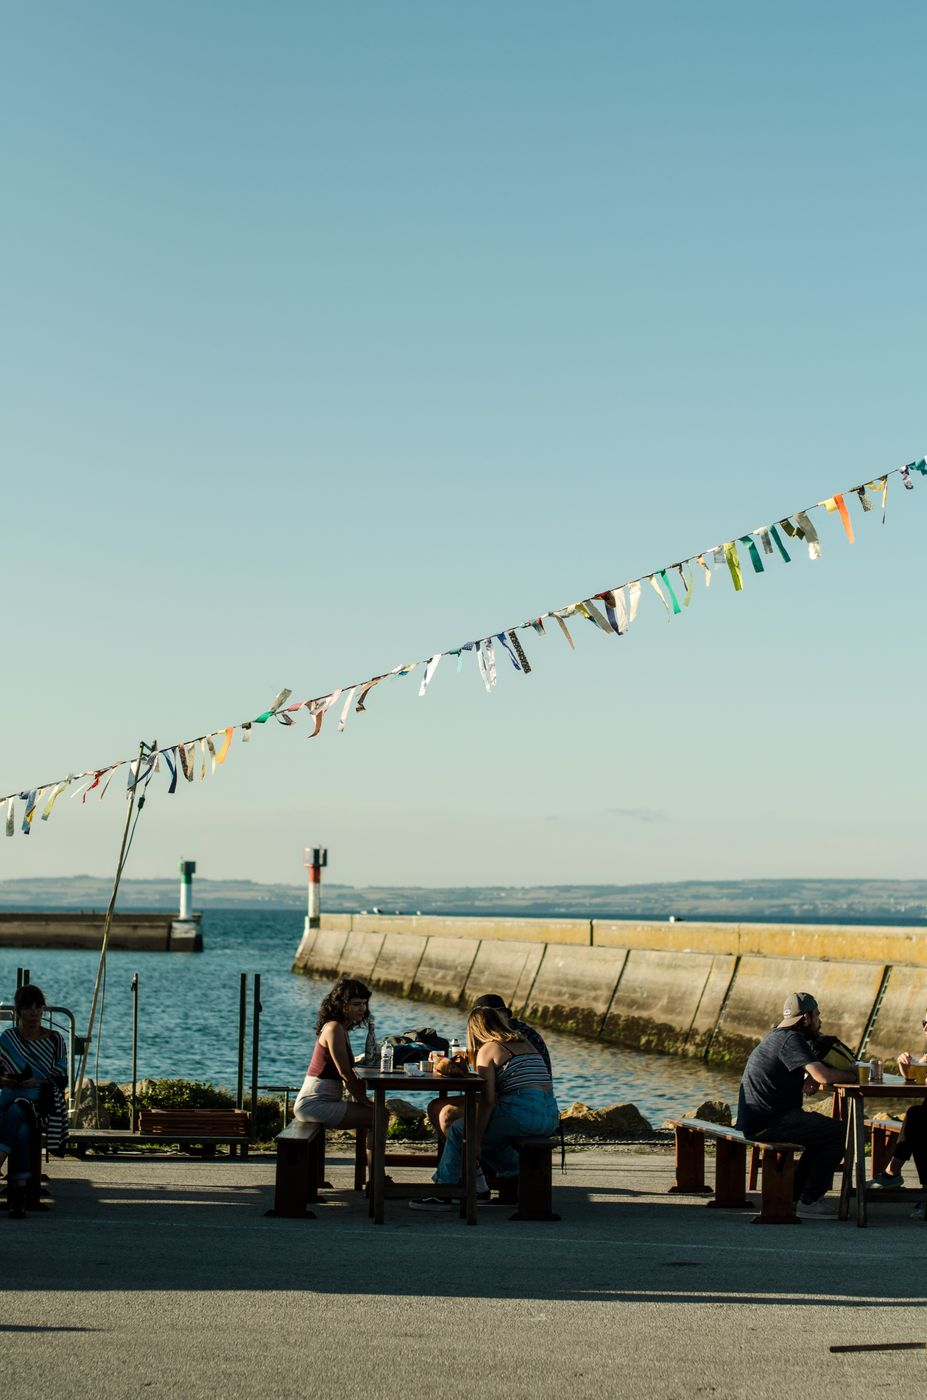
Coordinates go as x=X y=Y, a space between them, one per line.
x=769 y=1108
x=912 y=1140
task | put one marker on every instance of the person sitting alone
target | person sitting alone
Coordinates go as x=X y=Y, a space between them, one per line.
x=33 y=1076
x=911 y=1141
x=769 y=1109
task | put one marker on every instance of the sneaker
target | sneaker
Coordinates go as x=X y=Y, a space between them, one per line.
x=484 y=1198
x=884 y=1182
x=821 y=1209
x=920 y=1211
x=434 y=1203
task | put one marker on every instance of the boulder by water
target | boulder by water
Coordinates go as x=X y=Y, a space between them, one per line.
x=712 y=1111
x=618 y=1120
x=404 y=1111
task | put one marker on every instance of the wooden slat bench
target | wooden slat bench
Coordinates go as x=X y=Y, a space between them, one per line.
x=207 y=1127
x=299 y=1171
x=777 y=1160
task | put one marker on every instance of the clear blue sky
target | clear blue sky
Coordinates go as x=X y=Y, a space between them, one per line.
x=333 y=336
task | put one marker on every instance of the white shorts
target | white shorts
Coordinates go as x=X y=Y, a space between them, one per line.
x=320 y=1101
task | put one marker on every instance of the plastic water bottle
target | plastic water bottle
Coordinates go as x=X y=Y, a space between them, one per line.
x=453 y=1049
x=386 y=1060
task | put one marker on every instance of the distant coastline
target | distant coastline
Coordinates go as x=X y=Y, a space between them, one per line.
x=747 y=901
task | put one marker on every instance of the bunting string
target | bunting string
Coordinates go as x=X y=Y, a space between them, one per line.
x=612 y=611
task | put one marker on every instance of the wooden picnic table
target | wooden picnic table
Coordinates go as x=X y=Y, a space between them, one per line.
x=850 y=1101
x=398 y=1082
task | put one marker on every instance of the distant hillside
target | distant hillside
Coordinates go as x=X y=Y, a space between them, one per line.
x=798 y=901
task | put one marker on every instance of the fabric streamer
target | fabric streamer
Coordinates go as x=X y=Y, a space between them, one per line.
x=755 y=559
x=669 y=588
x=809 y=535
x=429 y=672
x=634 y=597
x=223 y=753
x=733 y=564
x=10 y=817
x=687 y=583
x=762 y=535
x=700 y=560
x=565 y=630
x=519 y=651
x=345 y=708
x=777 y=538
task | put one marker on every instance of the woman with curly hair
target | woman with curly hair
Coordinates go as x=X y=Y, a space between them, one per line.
x=331 y=1069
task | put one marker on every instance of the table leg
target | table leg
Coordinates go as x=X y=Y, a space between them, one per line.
x=469 y=1160
x=858 y=1117
x=846 y=1181
x=378 y=1166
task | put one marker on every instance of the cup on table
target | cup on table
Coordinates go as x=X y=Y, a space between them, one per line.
x=863 y=1071
x=917 y=1074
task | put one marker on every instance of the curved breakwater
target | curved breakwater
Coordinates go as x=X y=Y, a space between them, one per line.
x=701 y=990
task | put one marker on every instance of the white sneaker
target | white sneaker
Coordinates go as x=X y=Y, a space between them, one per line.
x=822 y=1209
x=434 y=1203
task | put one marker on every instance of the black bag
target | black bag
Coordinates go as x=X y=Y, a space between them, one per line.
x=406 y=1051
x=429 y=1037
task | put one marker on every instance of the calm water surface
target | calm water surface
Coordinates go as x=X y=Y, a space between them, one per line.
x=188 y=1019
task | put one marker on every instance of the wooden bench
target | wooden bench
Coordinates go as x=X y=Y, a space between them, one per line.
x=206 y=1127
x=299 y=1171
x=776 y=1158
x=535 y=1177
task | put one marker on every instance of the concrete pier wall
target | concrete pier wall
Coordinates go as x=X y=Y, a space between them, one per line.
x=140 y=933
x=700 y=989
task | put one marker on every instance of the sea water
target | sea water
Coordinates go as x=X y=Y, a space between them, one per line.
x=189 y=1011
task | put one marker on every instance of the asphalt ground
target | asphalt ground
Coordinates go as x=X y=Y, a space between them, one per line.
x=162 y=1276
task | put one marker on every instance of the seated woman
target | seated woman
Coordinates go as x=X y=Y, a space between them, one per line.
x=517 y=1101
x=331 y=1069
x=911 y=1141
x=33 y=1075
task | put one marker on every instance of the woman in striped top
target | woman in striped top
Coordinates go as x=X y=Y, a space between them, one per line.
x=517 y=1101
x=33 y=1075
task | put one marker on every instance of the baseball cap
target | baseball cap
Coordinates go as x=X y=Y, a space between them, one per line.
x=796 y=1006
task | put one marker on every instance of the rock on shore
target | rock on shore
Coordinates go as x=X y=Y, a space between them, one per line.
x=619 y=1120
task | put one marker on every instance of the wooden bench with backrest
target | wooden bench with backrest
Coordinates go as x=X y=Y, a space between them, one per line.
x=207 y=1127
x=777 y=1160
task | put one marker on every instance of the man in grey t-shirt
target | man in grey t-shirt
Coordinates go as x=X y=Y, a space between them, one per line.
x=778 y=1071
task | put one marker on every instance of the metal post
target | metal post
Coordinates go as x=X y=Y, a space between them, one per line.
x=134 y=1118
x=242 y=1017
x=255 y=1050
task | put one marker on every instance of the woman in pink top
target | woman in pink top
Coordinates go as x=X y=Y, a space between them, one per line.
x=331 y=1069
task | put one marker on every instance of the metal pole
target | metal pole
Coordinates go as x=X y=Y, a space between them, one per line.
x=255 y=1050
x=134 y=1119
x=242 y=1017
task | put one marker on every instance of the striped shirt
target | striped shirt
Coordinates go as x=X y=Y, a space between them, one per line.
x=525 y=1071
x=45 y=1059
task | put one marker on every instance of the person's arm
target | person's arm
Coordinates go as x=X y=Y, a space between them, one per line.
x=827 y=1074
x=335 y=1038
x=486 y=1069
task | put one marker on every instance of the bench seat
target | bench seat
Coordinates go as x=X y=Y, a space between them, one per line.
x=299 y=1170
x=777 y=1160
x=535 y=1177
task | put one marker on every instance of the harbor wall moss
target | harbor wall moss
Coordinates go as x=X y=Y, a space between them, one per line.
x=710 y=990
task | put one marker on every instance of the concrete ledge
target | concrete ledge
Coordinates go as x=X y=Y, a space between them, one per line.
x=680 y=937
x=398 y=962
x=656 y=1000
x=501 y=968
x=449 y=926
x=324 y=957
x=845 y=992
x=574 y=986
x=444 y=969
x=359 y=955
x=902 y=1009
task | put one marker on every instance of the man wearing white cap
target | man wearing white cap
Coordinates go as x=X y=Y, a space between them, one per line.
x=769 y=1106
